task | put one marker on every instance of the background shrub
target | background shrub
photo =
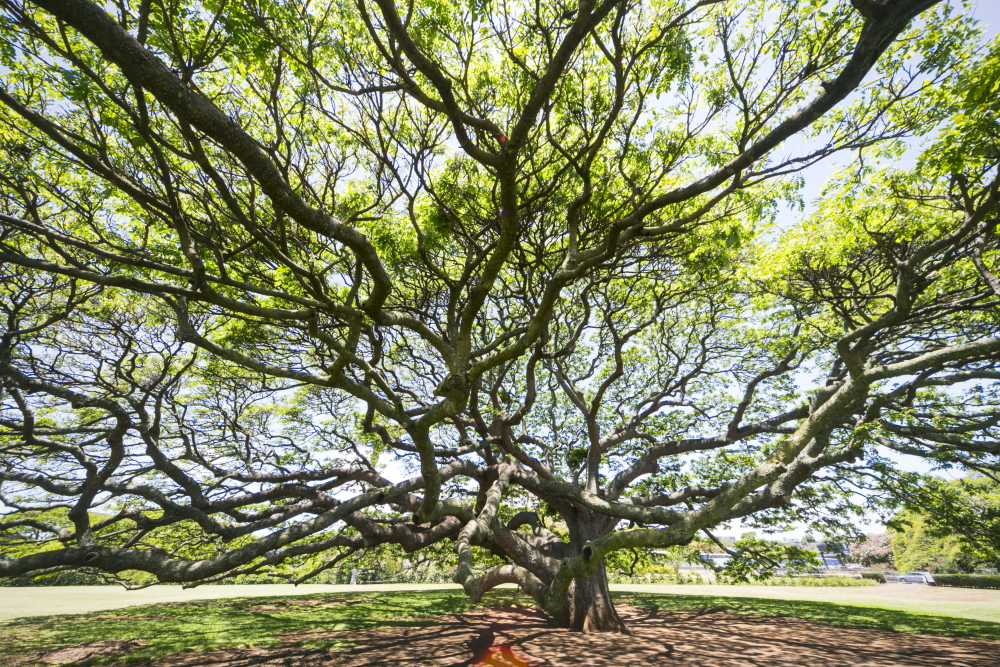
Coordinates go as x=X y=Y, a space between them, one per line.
x=840 y=582
x=657 y=578
x=968 y=580
x=69 y=578
x=873 y=549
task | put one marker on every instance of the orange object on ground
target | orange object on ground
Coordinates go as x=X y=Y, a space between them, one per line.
x=500 y=656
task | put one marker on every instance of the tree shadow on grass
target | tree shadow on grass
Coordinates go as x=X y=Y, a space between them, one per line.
x=208 y=625
x=668 y=638
x=828 y=613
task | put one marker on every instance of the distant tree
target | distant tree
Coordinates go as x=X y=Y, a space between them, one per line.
x=915 y=547
x=873 y=549
x=950 y=525
x=285 y=282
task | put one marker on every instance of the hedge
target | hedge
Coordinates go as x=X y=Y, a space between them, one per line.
x=842 y=582
x=696 y=578
x=657 y=578
x=876 y=576
x=968 y=580
x=68 y=578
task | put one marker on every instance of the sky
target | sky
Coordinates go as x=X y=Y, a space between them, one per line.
x=989 y=13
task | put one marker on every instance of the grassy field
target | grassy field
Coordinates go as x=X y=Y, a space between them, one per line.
x=55 y=600
x=829 y=613
x=204 y=625
x=970 y=603
x=982 y=605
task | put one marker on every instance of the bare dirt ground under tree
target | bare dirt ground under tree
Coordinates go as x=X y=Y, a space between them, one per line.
x=708 y=637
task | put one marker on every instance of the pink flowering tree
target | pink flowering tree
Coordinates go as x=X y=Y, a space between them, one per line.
x=873 y=549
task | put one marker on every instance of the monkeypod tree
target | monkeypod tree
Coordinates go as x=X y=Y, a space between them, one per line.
x=286 y=281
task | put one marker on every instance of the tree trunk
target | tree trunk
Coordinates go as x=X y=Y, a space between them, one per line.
x=588 y=606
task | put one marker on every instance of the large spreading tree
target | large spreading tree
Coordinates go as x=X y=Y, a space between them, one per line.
x=285 y=281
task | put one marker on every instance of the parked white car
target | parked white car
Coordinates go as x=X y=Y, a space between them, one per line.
x=916 y=578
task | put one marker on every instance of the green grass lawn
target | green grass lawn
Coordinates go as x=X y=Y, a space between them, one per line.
x=829 y=613
x=206 y=625
x=54 y=600
x=975 y=604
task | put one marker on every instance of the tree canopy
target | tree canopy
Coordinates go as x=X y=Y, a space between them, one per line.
x=286 y=281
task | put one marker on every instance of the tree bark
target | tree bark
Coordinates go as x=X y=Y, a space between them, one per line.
x=588 y=606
